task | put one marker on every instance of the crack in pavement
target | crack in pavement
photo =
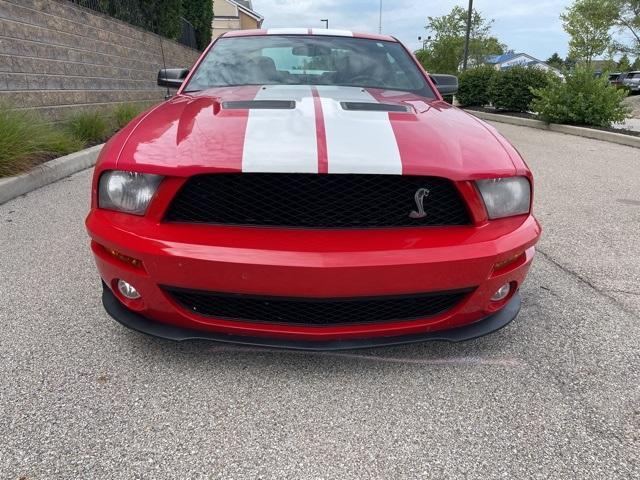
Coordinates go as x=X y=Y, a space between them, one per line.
x=600 y=291
x=627 y=292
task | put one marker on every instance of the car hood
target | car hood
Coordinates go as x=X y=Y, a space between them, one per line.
x=302 y=129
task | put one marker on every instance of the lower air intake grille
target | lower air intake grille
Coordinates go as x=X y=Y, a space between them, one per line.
x=318 y=201
x=315 y=312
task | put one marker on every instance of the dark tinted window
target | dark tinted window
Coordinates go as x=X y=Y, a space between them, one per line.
x=309 y=60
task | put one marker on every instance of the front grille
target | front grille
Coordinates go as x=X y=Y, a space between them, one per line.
x=313 y=311
x=318 y=201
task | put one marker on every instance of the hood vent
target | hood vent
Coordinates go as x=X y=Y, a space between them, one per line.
x=259 y=105
x=374 y=107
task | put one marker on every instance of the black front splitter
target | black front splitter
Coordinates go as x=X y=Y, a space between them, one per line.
x=139 y=323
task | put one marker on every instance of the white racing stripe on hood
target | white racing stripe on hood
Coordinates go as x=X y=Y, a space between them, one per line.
x=358 y=142
x=282 y=141
x=331 y=32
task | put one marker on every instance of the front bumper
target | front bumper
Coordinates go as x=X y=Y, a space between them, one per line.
x=311 y=264
x=137 y=322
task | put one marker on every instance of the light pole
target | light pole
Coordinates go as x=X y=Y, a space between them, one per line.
x=424 y=41
x=468 y=34
x=326 y=21
x=380 y=22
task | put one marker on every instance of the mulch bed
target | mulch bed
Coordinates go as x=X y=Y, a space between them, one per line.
x=532 y=116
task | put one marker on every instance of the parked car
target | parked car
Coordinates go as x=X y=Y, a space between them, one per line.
x=632 y=81
x=616 y=79
x=311 y=189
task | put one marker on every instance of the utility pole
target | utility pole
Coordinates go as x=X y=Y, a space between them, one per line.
x=466 y=38
x=380 y=22
x=326 y=21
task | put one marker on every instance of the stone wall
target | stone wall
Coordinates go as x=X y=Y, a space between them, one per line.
x=56 y=57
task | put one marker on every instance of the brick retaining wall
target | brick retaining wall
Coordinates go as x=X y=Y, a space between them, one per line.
x=56 y=57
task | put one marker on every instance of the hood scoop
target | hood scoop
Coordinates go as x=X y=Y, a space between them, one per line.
x=374 y=107
x=259 y=105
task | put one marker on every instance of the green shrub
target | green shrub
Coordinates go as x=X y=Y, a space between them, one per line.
x=511 y=89
x=448 y=99
x=89 y=127
x=582 y=99
x=200 y=14
x=124 y=113
x=473 y=90
x=26 y=141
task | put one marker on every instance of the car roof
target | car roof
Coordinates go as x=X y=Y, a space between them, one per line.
x=307 y=31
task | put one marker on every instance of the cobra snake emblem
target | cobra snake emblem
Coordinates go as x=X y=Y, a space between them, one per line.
x=420 y=195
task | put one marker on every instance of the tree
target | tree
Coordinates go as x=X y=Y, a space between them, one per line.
x=570 y=63
x=200 y=14
x=636 y=64
x=589 y=24
x=555 y=61
x=444 y=53
x=164 y=16
x=628 y=20
x=609 y=64
x=624 y=65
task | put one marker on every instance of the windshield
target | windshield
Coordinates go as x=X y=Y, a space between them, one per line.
x=309 y=60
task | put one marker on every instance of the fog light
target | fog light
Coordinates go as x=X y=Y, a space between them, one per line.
x=501 y=293
x=127 y=290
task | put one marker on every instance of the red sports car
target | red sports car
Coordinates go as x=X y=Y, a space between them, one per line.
x=311 y=189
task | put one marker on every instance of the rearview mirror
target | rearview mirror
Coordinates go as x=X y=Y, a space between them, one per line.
x=172 y=77
x=446 y=84
x=310 y=51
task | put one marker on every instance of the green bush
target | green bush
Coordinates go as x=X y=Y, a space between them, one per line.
x=163 y=17
x=124 y=113
x=511 y=89
x=582 y=99
x=89 y=127
x=26 y=141
x=200 y=14
x=473 y=87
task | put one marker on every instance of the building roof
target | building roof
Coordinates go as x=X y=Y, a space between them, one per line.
x=247 y=7
x=496 y=59
x=507 y=57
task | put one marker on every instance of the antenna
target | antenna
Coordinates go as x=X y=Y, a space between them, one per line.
x=167 y=95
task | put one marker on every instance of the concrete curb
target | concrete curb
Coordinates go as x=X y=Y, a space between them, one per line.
x=611 y=137
x=47 y=173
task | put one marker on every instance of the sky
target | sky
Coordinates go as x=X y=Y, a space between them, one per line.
x=527 y=26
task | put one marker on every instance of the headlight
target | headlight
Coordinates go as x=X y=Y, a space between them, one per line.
x=129 y=192
x=505 y=197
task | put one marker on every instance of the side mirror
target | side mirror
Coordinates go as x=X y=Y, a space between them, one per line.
x=446 y=84
x=172 y=77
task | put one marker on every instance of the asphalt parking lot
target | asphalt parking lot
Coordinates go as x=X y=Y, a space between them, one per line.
x=554 y=395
